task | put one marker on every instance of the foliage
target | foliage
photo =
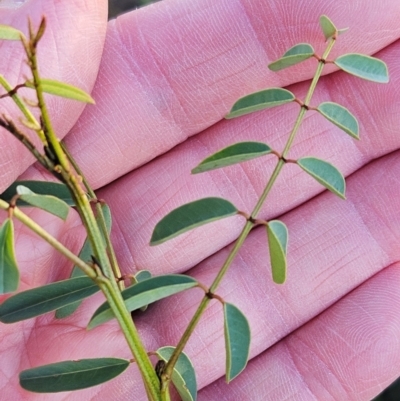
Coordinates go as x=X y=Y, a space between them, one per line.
x=96 y=267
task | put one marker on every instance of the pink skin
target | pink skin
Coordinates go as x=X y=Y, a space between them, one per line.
x=170 y=72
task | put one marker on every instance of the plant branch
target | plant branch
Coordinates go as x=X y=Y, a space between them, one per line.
x=166 y=376
x=100 y=214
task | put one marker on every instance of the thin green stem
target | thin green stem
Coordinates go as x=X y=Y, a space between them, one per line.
x=151 y=381
x=247 y=228
x=101 y=218
x=48 y=130
x=107 y=282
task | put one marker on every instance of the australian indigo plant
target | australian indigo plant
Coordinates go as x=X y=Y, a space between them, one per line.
x=96 y=267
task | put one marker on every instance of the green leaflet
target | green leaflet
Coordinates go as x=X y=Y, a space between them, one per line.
x=62 y=89
x=142 y=275
x=362 y=66
x=277 y=241
x=144 y=293
x=341 y=117
x=237 y=153
x=9 y=273
x=237 y=341
x=58 y=190
x=49 y=203
x=10 y=33
x=189 y=216
x=260 y=100
x=183 y=376
x=294 y=55
x=325 y=173
x=328 y=28
x=85 y=255
x=71 y=375
x=40 y=300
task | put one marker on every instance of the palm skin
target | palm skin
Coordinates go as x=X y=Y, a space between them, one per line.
x=167 y=75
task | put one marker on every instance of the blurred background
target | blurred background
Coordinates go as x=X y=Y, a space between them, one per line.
x=117 y=7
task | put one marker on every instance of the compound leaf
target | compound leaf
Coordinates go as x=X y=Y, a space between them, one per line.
x=58 y=190
x=340 y=116
x=40 y=300
x=237 y=153
x=260 y=100
x=62 y=89
x=325 y=173
x=277 y=241
x=144 y=293
x=9 y=273
x=183 y=376
x=294 y=55
x=71 y=375
x=362 y=66
x=237 y=340
x=189 y=216
x=49 y=203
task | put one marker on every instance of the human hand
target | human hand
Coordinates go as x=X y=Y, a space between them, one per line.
x=171 y=72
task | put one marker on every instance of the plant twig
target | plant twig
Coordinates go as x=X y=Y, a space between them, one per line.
x=166 y=376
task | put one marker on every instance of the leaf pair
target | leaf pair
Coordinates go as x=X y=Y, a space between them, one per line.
x=362 y=66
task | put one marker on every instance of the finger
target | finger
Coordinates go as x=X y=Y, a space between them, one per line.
x=176 y=68
x=70 y=51
x=349 y=352
x=142 y=198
